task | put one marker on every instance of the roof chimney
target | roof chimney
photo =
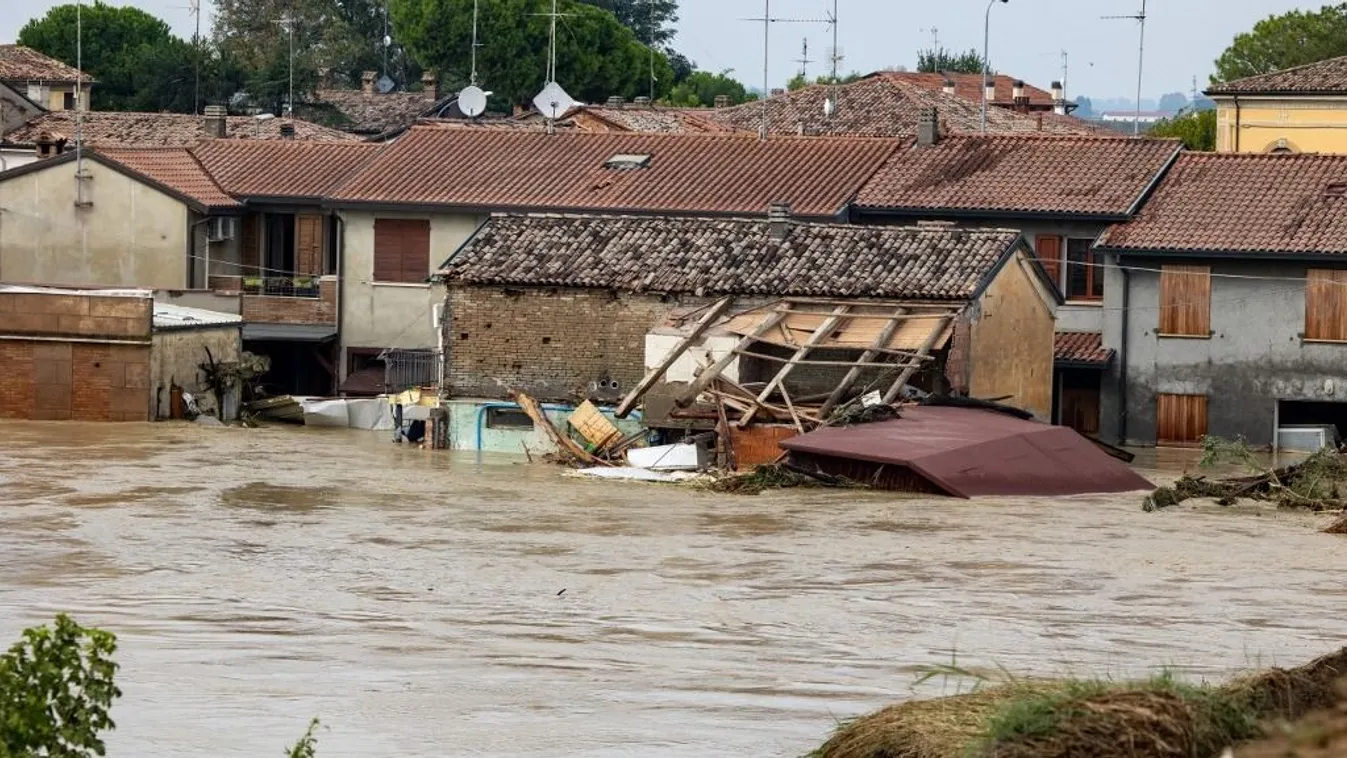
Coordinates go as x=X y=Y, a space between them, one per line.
x=989 y=88
x=429 y=85
x=215 y=123
x=45 y=144
x=1021 y=100
x=928 y=127
x=948 y=87
x=1058 y=99
x=778 y=221
x=722 y=101
x=367 y=82
x=287 y=130
x=641 y=102
x=777 y=91
x=616 y=101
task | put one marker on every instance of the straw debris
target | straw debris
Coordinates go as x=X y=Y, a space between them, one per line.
x=1319 y=483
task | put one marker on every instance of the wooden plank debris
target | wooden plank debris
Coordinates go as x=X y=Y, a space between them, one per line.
x=821 y=333
x=871 y=354
x=563 y=442
x=705 y=378
x=629 y=402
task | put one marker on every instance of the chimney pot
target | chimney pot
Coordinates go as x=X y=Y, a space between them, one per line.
x=1058 y=99
x=722 y=101
x=215 y=123
x=287 y=130
x=989 y=87
x=948 y=87
x=1021 y=100
x=642 y=101
x=778 y=221
x=367 y=82
x=616 y=101
x=430 y=85
x=777 y=91
x=928 y=127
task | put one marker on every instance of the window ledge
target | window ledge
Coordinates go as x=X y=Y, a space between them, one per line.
x=1308 y=341
x=1162 y=335
x=403 y=285
x=1094 y=302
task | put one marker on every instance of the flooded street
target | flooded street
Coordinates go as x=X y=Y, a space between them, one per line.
x=424 y=604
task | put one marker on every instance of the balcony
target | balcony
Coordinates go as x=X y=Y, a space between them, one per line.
x=284 y=300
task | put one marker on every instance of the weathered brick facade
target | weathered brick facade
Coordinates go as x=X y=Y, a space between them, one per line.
x=554 y=343
x=267 y=309
x=74 y=357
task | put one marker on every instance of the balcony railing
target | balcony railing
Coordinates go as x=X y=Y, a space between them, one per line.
x=281 y=286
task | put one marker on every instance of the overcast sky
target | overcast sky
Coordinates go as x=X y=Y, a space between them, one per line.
x=1183 y=37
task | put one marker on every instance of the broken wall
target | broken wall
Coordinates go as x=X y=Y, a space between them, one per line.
x=176 y=359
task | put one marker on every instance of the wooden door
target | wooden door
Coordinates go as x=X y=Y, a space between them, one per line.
x=1180 y=419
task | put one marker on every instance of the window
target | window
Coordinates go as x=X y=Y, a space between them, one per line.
x=507 y=418
x=330 y=248
x=1084 y=275
x=1180 y=419
x=1049 y=248
x=401 y=250
x=1185 y=301
x=68 y=101
x=1326 y=305
x=280 y=251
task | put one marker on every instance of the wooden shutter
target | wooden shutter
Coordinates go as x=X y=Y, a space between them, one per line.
x=1185 y=301
x=1181 y=419
x=249 y=243
x=401 y=250
x=1049 y=249
x=1326 y=305
x=308 y=244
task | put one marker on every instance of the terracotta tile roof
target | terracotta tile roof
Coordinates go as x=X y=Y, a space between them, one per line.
x=1242 y=203
x=714 y=174
x=1095 y=176
x=642 y=118
x=281 y=168
x=1081 y=349
x=176 y=169
x=885 y=107
x=132 y=129
x=707 y=256
x=1325 y=77
x=969 y=86
x=24 y=64
x=377 y=113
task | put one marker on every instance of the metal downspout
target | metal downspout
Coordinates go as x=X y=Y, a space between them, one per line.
x=1122 y=354
x=1237 y=120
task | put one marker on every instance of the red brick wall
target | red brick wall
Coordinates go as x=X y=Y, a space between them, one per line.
x=265 y=309
x=74 y=380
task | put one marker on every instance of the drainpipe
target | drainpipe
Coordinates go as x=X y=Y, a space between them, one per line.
x=1237 y=115
x=341 y=296
x=1122 y=354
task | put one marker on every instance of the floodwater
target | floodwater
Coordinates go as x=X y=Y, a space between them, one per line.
x=424 y=604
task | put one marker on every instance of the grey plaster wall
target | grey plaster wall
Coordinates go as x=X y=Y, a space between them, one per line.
x=1254 y=357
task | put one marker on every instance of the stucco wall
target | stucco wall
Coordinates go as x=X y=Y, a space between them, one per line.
x=393 y=315
x=1011 y=350
x=176 y=357
x=1308 y=125
x=130 y=236
x=1254 y=357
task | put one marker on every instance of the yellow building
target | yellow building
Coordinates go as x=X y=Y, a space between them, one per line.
x=43 y=79
x=1297 y=110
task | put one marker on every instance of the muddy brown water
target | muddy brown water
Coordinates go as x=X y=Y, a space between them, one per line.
x=414 y=600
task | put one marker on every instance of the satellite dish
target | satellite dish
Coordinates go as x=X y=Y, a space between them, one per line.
x=829 y=107
x=553 y=102
x=385 y=85
x=472 y=101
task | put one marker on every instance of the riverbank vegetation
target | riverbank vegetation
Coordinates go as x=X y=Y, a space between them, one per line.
x=57 y=684
x=1159 y=717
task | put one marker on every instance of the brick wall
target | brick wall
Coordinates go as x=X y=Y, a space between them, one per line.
x=74 y=380
x=266 y=309
x=75 y=315
x=554 y=343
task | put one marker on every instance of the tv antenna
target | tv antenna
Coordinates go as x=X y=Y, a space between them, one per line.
x=935 y=37
x=835 y=57
x=1066 y=67
x=288 y=21
x=1140 y=18
x=552 y=102
x=472 y=99
x=767 y=20
x=194 y=8
x=804 y=60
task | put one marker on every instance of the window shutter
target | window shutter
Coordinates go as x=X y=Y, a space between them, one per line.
x=1326 y=304
x=416 y=252
x=387 y=260
x=1180 y=418
x=1185 y=301
x=1049 y=249
x=308 y=244
x=401 y=250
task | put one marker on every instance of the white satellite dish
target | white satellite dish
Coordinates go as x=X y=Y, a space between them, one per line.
x=384 y=85
x=472 y=101
x=829 y=107
x=553 y=102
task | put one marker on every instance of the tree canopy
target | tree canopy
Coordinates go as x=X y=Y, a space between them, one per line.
x=652 y=21
x=1197 y=129
x=596 y=56
x=936 y=60
x=138 y=62
x=799 y=81
x=1283 y=41
x=700 y=88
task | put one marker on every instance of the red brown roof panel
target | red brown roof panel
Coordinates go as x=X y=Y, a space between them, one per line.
x=281 y=168
x=176 y=169
x=1081 y=349
x=1321 y=78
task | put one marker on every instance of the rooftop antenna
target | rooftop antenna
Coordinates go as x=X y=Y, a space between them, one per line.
x=804 y=60
x=552 y=102
x=935 y=37
x=80 y=177
x=650 y=42
x=1066 y=67
x=388 y=40
x=835 y=57
x=767 y=20
x=1140 y=18
x=288 y=21
x=472 y=99
x=194 y=8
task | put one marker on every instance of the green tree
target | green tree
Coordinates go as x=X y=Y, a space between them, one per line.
x=799 y=81
x=596 y=56
x=1290 y=39
x=940 y=60
x=136 y=60
x=1197 y=129
x=56 y=686
x=652 y=21
x=701 y=88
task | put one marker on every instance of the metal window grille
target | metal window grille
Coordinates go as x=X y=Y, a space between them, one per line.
x=404 y=369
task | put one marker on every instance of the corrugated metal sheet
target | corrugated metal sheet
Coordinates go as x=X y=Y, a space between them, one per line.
x=167 y=317
x=968 y=452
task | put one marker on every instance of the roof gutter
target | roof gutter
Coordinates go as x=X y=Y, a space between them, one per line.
x=982 y=213
x=1155 y=182
x=1255 y=255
